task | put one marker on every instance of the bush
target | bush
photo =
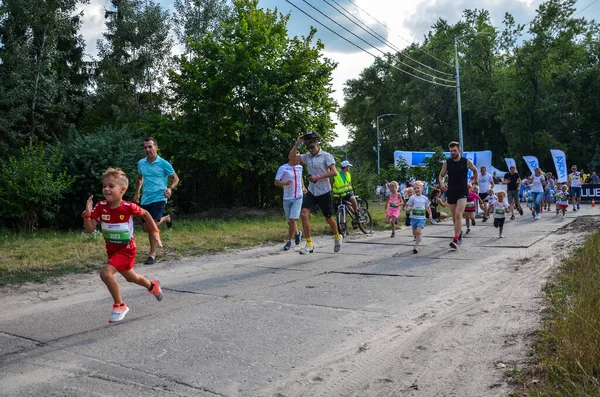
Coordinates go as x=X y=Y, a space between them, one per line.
x=87 y=156
x=33 y=184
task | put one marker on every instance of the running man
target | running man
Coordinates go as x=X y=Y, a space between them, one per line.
x=457 y=168
x=575 y=178
x=486 y=182
x=153 y=175
x=321 y=167
x=513 y=181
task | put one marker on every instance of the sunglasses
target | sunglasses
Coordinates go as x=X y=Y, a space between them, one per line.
x=310 y=147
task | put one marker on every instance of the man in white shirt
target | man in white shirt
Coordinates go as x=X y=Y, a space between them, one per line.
x=575 y=185
x=486 y=182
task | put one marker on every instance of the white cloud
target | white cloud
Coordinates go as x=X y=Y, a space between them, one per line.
x=93 y=24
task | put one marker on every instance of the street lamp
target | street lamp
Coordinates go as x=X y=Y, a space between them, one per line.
x=460 y=129
x=378 y=143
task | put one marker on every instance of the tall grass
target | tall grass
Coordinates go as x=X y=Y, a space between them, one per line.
x=568 y=346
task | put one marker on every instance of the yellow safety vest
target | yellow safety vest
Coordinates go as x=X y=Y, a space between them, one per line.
x=341 y=188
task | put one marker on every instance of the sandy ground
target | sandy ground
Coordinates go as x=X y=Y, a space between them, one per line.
x=373 y=320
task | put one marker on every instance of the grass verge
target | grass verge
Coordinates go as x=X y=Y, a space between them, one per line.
x=44 y=255
x=567 y=348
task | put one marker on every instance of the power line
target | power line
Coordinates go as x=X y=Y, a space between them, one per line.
x=366 y=42
x=362 y=49
x=378 y=36
x=586 y=7
x=408 y=41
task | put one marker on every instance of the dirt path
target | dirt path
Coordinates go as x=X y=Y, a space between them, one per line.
x=374 y=320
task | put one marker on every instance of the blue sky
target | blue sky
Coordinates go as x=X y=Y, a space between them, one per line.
x=399 y=21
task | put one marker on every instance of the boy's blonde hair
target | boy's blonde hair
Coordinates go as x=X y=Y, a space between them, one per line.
x=395 y=184
x=408 y=191
x=118 y=174
x=501 y=193
x=419 y=183
x=491 y=192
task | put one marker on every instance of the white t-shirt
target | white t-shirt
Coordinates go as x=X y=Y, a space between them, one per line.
x=490 y=199
x=575 y=178
x=290 y=173
x=485 y=181
x=537 y=186
x=419 y=206
x=499 y=208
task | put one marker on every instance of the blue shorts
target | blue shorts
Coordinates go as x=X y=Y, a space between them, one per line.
x=155 y=209
x=575 y=191
x=417 y=223
x=292 y=208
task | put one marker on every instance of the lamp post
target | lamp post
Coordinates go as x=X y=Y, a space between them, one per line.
x=378 y=143
x=460 y=128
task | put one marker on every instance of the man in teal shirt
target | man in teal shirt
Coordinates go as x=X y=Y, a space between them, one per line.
x=153 y=175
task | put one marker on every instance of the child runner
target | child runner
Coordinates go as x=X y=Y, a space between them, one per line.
x=116 y=218
x=418 y=205
x=499 y=208
x=392 y=206
x=562 y=200
x=434 y=200
x=408 y=192
x=490 y=198
x=471 y=207
x=530 y=203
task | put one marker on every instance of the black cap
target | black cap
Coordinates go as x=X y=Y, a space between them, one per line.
x=311 y=135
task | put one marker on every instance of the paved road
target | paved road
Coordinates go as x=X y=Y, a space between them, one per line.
x=374 y=319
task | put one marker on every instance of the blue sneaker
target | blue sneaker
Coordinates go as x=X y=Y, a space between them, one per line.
x=287 y=245
x=298 y=239
x=578 y=207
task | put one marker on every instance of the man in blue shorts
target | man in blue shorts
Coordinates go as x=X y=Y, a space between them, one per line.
x=153 y=175
x=575 y=178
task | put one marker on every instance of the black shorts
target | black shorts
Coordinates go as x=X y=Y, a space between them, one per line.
x=453 y=197
x=499 y=222
x=323 y=201
x=155 y=209
x=434 y=213
x=483 y=196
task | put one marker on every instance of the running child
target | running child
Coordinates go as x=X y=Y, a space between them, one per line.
x=490 y=198
x=408 y=192
x=562 y=200
x=392 y=206
x=418 y=205
x=471 y=206
x=435 y=200
x=115 y=216
x=499 y=208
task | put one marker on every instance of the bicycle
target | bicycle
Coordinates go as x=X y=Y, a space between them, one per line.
x=364 y=221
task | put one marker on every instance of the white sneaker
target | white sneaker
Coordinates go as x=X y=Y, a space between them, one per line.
x=337 y=244
x=307 y=250
x=118 y=313
x=433 y=222
x=501 y=235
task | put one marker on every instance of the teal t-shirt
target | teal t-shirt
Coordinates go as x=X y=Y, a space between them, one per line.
x=155 y=179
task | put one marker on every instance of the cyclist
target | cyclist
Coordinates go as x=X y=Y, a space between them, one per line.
x=342 y=187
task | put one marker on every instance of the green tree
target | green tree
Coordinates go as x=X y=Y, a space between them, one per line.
x=134 y=56
x=193 y=18
x=42 y=73
x=241 y=103
x=33 y=184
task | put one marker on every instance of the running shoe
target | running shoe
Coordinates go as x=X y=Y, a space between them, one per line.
x=574 y=209
x=473 y=222
x=171 y=219
x=536 y=217
x=433 y=221
x=393 y=234
x=337 y=244
x=118 y=312
x=454 y=243
x=485 y=218
x=415 y=250
x=287 y=245
x=468 y=231
x=501 y=235
x=298 y=238
x=150 y=261
x=307 y=250
x=460 y=239
x=562 y=217
x=512 y=217
x=578 y=207
x=521 y=211
x=156 y=290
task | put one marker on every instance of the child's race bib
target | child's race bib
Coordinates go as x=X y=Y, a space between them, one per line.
x=418 y=211
x=116 y=233
x=500 y=211
x=470 y=204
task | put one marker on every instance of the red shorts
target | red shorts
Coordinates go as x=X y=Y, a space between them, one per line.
x=122 y=258
x=562 y=206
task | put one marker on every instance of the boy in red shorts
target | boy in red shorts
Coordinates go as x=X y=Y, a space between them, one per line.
x=116 y=218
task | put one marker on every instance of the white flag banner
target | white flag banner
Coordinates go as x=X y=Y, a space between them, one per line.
x=560 y=162
x=532 y=162
x=510 y=162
